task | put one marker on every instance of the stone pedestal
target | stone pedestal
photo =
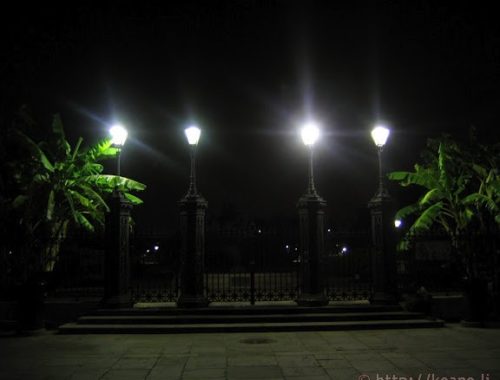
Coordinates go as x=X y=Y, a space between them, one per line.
x=384 y=279
x=311 y=208
x=192 y=226
x=117 y=265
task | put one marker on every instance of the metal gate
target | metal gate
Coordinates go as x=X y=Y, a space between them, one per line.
x=347 y=267
x=250 y=264
x=154 y=267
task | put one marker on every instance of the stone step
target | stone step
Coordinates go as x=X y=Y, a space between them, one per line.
x=75 y=328
x=244 y=318
x=247 y=310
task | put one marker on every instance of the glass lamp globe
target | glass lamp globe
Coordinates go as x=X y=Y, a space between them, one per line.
x=193 y=134
x=380 y=135
x=118 y=135
x=309 y=134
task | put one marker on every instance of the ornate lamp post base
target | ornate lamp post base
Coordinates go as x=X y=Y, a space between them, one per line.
x=117 y=275
x=192 y=226
x=311 y=209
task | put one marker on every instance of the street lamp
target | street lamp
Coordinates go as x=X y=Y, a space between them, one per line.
x=117 y=278
x=311 y=208
x=118 y=137
x=379 y=136
x=310 y=134
x=192 y=228
x=382 y=225
x=193 y=136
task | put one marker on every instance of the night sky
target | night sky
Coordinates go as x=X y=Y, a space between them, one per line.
x=249 y=73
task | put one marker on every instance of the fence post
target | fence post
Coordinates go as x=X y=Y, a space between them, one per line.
x=192 y=226
x=312 y=244
x=117 y=267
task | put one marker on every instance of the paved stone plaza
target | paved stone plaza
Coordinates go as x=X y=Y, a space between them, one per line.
x=442 y=352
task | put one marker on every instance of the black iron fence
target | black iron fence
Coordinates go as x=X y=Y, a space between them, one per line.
x=154 y=267
x=262 y=264
x=251 y=264
x=79 y=270
x=439 y=266
x=347 y=265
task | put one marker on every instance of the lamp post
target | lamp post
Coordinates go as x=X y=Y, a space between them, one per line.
x=193 y=134
x=310 y=134
x=117 y=268
x=118 y=138
x=192 y=225
x=382 y=225
x=311 y=208
x=380 y=135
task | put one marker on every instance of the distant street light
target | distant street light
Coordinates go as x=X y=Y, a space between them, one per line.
x=118 y=137
x=193 y=136
x=310 y=134
x=379 y=136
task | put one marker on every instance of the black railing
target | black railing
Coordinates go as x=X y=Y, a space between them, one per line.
x=251 y=264
x=347 y=265
x=433 y=262
x=154 y=267
x=262 y=264
x=79 y=270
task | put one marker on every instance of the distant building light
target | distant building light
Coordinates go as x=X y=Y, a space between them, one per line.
x=329 y=230
x=156 y=247
x=147 y=250
x=344 y=250
x=287 y=246
x=259 y=231
x=398 y=223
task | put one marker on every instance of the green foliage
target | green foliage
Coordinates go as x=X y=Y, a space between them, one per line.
x=460 y=188
x=57 y=186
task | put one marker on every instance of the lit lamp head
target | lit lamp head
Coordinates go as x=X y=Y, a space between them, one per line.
x=309 y=134
x=118 y=135
x=380 y=135
x=193 y=135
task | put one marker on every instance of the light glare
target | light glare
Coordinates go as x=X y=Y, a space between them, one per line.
x=193 y=134
x=397 y=223
x=118 y=135
x=380 y=135
x=309 y=134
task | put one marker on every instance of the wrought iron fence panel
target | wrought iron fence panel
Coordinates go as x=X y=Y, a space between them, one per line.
x=154 y=267
x=79 y=270
x=434 y=263
x=347 y=266
x=251 y=265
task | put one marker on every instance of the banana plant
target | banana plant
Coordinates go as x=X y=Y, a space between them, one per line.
x=460 y=190
x=60 y=186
